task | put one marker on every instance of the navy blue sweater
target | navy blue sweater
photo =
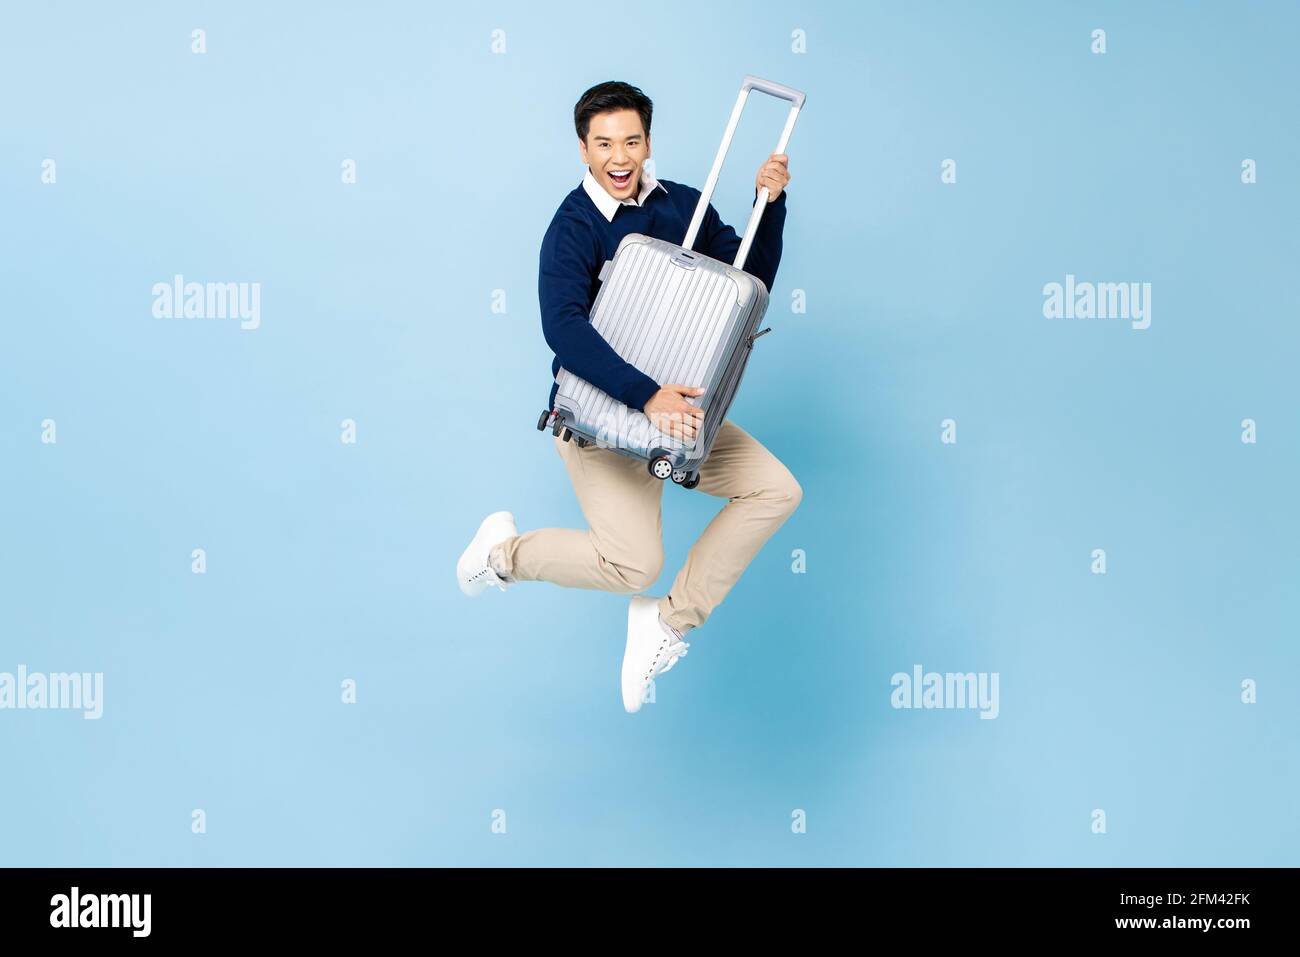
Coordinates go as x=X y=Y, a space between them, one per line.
x=580 y=239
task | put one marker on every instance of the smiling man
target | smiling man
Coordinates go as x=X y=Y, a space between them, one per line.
x=622 y=550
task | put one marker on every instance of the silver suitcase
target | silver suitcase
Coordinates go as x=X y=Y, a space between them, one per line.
x=680 y=317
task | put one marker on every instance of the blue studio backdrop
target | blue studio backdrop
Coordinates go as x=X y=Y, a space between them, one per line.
x=246 y=527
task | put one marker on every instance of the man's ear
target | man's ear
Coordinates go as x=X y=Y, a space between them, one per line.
x=582 y=151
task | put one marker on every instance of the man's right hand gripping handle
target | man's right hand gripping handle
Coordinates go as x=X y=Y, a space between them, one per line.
x=671 y=414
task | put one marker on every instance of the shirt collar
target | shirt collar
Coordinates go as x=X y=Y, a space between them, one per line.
x=607 y=204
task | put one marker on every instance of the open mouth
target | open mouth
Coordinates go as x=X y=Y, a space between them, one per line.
x=620 y=177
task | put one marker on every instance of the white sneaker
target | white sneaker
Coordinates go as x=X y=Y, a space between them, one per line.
x=652 y=649
x=474 y=572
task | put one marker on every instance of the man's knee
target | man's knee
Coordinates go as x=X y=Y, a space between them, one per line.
x=639 y=580
x=783 y=490
x=789 y=493
x=633 y=572
x=793 y=493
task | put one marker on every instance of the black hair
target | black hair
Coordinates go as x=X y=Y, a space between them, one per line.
x=607 y=97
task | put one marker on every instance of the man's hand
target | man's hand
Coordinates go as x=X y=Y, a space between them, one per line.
x=672 y=414
x=774 y=174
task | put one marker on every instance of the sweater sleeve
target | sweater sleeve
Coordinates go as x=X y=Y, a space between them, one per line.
x=570 y=260
x=721 y=242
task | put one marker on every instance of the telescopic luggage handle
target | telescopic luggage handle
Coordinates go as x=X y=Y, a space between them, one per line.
x=796 y=104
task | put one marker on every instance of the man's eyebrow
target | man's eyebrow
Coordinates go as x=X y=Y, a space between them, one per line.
x=634 y=136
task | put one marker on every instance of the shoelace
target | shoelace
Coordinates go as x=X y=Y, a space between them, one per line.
x=493 y=577
x=668 y=654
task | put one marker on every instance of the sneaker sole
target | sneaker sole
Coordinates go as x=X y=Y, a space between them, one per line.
x=635 y=609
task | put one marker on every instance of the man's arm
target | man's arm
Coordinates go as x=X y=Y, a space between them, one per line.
x=569 y=259
x=721 y=242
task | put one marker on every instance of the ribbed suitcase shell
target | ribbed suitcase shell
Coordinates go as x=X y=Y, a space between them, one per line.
x=680 y=317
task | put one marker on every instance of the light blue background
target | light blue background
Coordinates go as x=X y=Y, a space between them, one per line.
x=329 y=561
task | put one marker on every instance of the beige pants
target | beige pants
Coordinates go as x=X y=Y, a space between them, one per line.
x=623 y=549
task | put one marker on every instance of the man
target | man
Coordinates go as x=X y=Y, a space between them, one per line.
x=622 y=550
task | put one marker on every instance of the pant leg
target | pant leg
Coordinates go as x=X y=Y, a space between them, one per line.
x=761 y=495
x=621 y=550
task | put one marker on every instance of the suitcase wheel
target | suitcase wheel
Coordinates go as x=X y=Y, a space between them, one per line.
x=566 y=435
x=679 y=475
x=541 y=422
x=661 y=468
x=582 y=443
x=559 y=424
x=693 y=481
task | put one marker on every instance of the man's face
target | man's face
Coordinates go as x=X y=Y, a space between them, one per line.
x=615 y=148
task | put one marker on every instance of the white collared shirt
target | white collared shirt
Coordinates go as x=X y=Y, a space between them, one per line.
x=607 y=204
